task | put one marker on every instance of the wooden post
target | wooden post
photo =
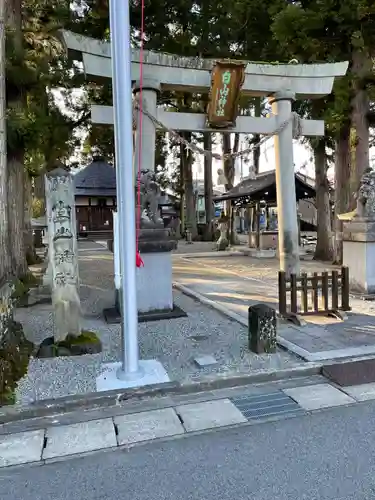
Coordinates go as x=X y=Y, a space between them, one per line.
x=231 y=224
x=305 y=295
x=251 y=223
x=257 y=210
x=335 y=290
x=315 y=291
x=325 y=291
x=293 y=294
x=345 y=289
x=282 y=293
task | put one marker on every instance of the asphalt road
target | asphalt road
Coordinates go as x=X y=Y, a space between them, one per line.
x=329 y=455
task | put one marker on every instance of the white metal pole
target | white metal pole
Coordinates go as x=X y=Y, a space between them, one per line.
x=116 y=251
x=122 y=103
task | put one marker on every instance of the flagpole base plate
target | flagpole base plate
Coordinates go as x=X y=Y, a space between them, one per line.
x=150 y=372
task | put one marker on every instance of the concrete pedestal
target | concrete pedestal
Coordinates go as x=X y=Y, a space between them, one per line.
x=154 y=282
x=268 y=240
x=154 y=279
x=359 y=255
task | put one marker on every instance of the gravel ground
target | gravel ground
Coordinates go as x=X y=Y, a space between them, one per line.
x=175 y=343
x=196 y=247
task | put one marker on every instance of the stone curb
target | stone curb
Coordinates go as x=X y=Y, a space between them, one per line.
x=54 y=443
x=210 y=303
x=96 y=400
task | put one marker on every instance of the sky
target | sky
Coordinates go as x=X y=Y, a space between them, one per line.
x=302 y=160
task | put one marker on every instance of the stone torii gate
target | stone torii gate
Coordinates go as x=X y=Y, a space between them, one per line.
x=281 y=83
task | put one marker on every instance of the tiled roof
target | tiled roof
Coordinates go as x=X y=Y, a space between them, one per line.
x=253 y=186
x=97 y=179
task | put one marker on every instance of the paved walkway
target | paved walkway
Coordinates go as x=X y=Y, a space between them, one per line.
x=125 y=426
x=234 y=283
x=328 y=455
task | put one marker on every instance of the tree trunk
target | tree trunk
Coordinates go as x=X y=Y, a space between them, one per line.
x=187 y=163
x=182 y=195
x=39 y=188
x=229 y=170
x=342 y=186
x=360 y=139
x=16 y=206
x=229 y=173
x=4 y=228
x=324 y=247
x=16 y=213
x=28 y=235
x=256 y=138
x=208 y=191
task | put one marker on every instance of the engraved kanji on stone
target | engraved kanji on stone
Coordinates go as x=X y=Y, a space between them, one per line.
x=63 y=232
x=65 y=256
x=61 y=211
x=62 y=279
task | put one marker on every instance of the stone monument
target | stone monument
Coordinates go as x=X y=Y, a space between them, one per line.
x=359 y=238
x=62 y=253
x=154 y=295
x=154 y=292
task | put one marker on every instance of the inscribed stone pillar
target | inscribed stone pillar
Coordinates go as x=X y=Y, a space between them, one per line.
x=62 y=253
x=285 y=184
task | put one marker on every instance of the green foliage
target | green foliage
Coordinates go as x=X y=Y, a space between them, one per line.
x=21 y=290
x=23 y=285
x=85 y=337
x=274 y=30
x=92 y=18
x=33 y=259
x=329 y=31
x=99 y=141
x=15 y=352
x=36 y=125
x=37 y=208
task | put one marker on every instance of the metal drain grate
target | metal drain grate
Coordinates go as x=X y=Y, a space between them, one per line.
x=259 y=406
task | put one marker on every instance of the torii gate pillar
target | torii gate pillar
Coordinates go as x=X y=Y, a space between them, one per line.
x=285 y=185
